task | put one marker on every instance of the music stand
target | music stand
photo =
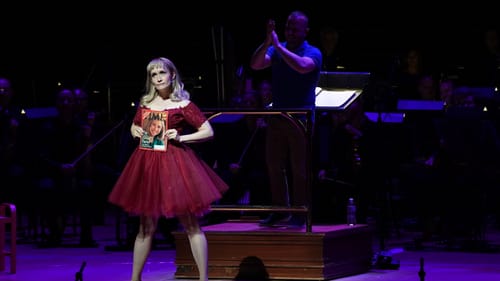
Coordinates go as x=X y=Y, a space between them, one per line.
x=337 y=90
x=385 y=117
x=331 y=99
x=40 y=112
x=420 y=105
x=343 y=79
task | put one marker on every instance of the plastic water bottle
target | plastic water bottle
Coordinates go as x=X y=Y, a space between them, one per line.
x=351 y=212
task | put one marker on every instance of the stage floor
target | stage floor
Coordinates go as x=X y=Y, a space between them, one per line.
x=61 y=264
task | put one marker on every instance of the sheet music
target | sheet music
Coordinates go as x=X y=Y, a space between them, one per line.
x=334 y=98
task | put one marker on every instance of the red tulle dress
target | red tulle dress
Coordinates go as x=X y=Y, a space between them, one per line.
x=168 y=183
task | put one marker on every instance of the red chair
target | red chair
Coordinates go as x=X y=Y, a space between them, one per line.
x=8 y=224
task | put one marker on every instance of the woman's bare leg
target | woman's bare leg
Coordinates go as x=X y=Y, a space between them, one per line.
x=142 y=246
x=198 y=243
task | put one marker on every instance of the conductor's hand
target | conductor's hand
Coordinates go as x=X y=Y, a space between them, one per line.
x=270 y=32
x=172 y=134
x=136 y=131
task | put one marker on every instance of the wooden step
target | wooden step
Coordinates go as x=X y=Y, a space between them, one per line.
x=327 y=252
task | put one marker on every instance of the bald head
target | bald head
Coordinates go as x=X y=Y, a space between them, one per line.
x=296 y=29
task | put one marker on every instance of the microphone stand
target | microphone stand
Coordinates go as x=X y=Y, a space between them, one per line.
x=421 y=272
x=79 y=274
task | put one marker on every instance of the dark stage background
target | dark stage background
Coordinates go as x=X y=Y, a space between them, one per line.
x=104 y=47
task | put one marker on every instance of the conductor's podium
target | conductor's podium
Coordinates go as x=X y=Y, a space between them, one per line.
x=326 y=252
x=319 y=252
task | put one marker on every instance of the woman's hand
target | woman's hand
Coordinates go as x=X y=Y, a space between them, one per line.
x=136 y=131
x=172 y=134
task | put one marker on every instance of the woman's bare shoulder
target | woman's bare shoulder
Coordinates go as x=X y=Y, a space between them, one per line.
x=168 y=104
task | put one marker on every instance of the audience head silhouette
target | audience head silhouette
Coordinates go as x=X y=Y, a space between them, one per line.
x=252 y=268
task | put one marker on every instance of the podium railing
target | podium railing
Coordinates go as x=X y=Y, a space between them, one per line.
x=289 y=114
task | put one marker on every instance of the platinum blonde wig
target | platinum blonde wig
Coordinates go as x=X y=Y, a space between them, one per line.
x=176 y=87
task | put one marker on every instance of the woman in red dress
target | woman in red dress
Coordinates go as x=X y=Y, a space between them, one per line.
x=171 y=183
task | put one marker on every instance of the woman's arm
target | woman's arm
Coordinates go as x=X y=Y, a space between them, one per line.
x=203 y=133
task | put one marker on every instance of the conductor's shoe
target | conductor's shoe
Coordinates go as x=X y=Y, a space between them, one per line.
x=296 y=221
x=273 y=219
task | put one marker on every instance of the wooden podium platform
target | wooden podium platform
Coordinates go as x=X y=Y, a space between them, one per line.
x=326 y=252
